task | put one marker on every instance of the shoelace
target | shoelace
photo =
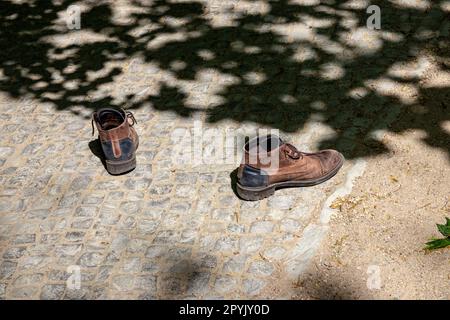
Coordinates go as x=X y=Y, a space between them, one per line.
x=130 y=115
x=92 y=123
x=292 y=151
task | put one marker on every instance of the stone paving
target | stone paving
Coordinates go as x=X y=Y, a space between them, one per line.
x=160 y=231
x=169 y=229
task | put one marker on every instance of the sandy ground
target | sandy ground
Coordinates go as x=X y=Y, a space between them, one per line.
x=374 y=249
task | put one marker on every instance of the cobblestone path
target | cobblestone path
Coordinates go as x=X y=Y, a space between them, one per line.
x=160 y=231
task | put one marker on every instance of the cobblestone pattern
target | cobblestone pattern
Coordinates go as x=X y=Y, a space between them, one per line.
x=157 y=232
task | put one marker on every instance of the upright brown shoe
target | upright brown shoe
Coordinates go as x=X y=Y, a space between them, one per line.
x=118 y=138
x=269 y=164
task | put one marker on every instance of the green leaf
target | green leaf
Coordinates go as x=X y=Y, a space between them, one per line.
x=437 y=244
x=444 y=230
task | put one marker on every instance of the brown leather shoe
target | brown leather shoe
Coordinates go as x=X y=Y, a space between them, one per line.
x=269 y=164
x=118 y=138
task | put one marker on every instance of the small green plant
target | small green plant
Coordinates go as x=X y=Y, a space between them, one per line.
x=444 y=229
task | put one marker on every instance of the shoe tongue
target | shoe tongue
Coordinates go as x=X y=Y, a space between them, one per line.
x=266 y=143
x=110 y=118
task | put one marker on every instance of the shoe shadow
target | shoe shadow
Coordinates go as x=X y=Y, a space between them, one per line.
x=96 y=149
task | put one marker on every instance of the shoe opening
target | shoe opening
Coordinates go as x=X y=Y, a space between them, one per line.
x=263 y=144
x=110 y=118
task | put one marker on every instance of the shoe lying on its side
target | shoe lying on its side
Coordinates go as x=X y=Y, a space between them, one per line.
x=269 y=163
x=118 y=138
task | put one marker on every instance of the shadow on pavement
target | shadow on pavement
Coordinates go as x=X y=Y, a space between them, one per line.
x=286 y=62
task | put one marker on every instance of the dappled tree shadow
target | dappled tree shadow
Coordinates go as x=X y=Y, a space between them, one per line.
x=322 y=69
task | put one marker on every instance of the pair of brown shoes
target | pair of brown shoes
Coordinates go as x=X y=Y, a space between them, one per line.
x=268 y=162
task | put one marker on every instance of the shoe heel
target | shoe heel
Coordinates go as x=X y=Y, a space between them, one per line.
x=254 y=194
x=119 y=167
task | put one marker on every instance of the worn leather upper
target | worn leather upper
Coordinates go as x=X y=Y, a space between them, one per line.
x=283 y=162
x=115 y=129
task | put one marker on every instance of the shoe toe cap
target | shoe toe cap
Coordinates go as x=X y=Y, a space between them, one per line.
x=331 y=159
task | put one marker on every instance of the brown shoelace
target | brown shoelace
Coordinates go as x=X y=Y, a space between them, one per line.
x=292 y=151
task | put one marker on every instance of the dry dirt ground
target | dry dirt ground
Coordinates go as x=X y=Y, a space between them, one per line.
x=382 y=227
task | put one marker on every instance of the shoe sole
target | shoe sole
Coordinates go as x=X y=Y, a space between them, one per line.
x=259 y=193
x=120 y=167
